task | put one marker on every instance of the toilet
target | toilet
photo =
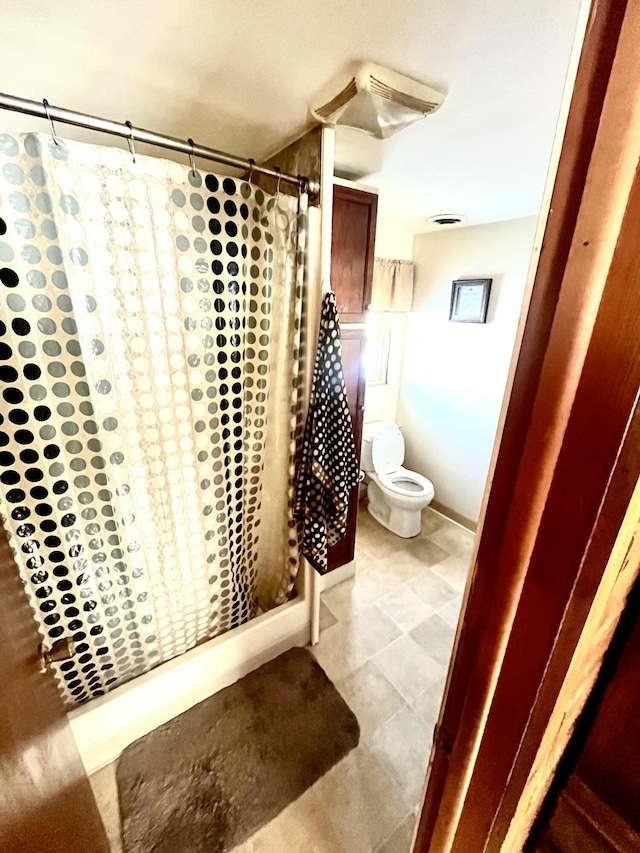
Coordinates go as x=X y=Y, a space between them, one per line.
x=396 y=496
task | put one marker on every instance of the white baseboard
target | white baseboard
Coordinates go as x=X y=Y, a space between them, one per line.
x=452 y=520
x=343 y=573
x=105 y=726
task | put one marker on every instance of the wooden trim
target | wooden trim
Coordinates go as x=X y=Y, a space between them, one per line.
x=608 y=604
x=524 y=545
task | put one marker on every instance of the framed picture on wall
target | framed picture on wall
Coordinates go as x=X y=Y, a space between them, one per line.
x=470 y=300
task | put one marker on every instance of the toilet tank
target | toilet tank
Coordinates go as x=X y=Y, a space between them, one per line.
x=382 y=447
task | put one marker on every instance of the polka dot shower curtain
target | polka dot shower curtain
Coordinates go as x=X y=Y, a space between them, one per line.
x=150 y=322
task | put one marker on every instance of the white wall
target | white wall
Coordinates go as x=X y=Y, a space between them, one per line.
x=392 y=240
x=453 y=375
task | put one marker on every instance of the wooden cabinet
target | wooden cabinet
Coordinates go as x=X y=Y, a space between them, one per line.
x=352 y=358
x=352 y=251
x=352 y=245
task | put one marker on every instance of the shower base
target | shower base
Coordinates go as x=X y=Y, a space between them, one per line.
x=105 y=726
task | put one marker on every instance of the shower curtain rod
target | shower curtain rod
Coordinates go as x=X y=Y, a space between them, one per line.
x=125 y=130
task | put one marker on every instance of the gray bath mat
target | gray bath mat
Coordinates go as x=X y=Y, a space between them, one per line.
x=208 y=779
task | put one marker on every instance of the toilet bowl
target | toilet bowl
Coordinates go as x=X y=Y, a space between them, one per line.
x=396 y=495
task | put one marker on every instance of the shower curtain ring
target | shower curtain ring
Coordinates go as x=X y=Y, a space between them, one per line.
x=132 y=147
x=276 y=169
x=192 y=157
x=252 y=164
x=45 y=104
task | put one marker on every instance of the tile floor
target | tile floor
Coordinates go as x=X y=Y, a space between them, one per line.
x=385 y=641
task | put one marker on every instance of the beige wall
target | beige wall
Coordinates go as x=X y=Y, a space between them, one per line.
x=453 y=375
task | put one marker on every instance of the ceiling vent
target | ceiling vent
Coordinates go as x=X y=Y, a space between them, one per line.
x=375 y=100
x=447 y=219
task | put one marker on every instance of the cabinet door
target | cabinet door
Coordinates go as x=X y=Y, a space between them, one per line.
x=352 y=247
x=353 y=342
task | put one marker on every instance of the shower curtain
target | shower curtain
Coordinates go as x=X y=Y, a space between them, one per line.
x=151 y=324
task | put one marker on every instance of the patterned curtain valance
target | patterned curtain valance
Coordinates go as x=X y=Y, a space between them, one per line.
x=392 y=285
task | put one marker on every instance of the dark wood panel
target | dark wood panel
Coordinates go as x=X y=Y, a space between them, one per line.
x=352 y=251
x=610 y=762
x=597 y=806
x=353 y=341
x=584 y=823
x=46 y=804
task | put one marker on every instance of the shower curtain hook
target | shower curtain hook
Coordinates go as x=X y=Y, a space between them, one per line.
x=132 y=148
x=192 y=157
x=276 y=169
x=45 y=104
x=252 y=164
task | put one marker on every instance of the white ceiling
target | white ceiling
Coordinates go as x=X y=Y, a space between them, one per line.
x=238 y=75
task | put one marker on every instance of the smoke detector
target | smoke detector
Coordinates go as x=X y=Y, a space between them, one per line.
x=375 y=100
x=447 y=219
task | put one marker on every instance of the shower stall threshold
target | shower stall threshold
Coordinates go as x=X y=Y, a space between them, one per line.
x=105 y=726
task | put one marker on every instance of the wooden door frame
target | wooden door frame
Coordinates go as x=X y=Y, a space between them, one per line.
x=573 y=390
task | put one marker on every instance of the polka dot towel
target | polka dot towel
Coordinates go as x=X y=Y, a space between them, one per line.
x=328 y=466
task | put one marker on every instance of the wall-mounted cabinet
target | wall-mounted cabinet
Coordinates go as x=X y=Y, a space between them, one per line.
x=352 y=251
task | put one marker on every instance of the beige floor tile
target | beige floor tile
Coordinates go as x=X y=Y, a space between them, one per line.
x=303 y=825
x=427 y=551
x=454 y=571
x=105 y=790
x=408 y=667
x=327 y=619
x=405 y=607
x=433 y=589
x=353 y=595
x=364 y=802
x=427 y=704
x=402 y=745
x=404 y=567
x=453 y=539
x=435 y=636
x=371 y=697
x=401 y=838
x=379 y=542
x=363 y=560
x=451 y=612
x=431 y=521
x=350 y=643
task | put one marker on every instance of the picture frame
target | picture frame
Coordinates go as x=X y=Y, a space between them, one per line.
x=470 y=300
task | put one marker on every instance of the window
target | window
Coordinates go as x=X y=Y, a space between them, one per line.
x=376 y=358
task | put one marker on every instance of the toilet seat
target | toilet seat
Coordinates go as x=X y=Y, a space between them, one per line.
x=394 y=483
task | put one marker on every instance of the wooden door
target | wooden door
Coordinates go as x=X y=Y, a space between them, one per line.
x=46 y=803
x=353 y=341
x=353 y=235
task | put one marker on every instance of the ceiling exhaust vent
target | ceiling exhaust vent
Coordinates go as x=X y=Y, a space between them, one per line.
x=375 y=100
x=447 y=219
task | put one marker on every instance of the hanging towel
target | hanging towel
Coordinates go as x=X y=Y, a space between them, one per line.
x=328 y=466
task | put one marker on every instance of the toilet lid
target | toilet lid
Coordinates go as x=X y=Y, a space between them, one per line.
x=387 y=450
